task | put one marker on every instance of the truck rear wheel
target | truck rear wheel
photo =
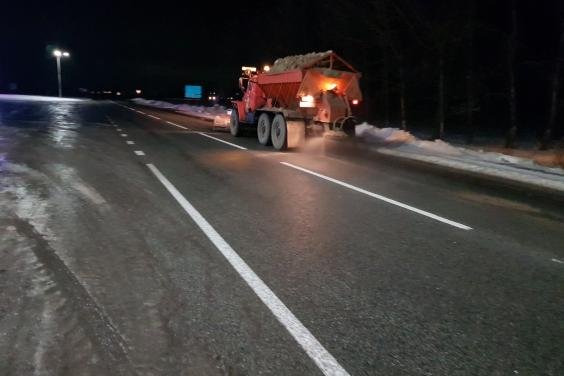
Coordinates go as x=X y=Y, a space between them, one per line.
x=349 y=127
x=279 y=132
x=234 y=124
x=263 y=129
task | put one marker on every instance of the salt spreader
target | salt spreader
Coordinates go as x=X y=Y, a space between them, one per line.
x=297 y=97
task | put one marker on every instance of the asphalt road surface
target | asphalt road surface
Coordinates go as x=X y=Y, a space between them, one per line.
x=136 y=241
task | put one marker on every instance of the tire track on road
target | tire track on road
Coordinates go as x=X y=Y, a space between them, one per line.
x=97 y=324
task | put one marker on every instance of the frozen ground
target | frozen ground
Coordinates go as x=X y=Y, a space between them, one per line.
x=393 y=141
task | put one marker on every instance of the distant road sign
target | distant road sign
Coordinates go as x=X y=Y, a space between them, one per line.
x=193 y=91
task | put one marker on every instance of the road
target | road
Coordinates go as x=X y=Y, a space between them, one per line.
x=140 y=242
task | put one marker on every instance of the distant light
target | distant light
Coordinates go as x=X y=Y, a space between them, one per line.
x=355 y=101
x=251 y=69
x=138 y=91
x=66 y=54
x=57 y=53
x=118 y=93
x=266 y=68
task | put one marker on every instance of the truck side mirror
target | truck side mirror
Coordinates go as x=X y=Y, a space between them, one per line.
x=243 y=82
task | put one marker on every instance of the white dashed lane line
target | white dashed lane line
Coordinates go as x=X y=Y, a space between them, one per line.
x=557 y=261
x=176 y=125
x=380 y=197
x=223 y=141
x=130 y=142
x=186 y=128
x=123 y=134
x=139 y=152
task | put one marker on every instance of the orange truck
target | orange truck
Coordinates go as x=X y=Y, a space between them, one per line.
x=298 y=96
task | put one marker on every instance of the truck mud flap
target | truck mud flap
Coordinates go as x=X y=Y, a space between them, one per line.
x=296 y=133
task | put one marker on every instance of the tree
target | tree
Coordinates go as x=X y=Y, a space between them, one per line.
x=511 y=50
x=377 y=32
x=470 y=28
x=555 y=86
x=436 y=27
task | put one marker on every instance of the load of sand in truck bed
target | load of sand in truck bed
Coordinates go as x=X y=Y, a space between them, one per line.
x=326 y=59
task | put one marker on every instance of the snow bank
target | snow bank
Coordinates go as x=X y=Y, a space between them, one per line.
x=393 y=141
x=218 y=114
x=383 y=135
x=40 y=98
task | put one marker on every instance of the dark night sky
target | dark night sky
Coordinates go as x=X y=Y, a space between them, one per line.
x=162 y=45
x=132 y=44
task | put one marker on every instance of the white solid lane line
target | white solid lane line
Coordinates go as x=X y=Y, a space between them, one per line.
x=130 y=142
x=176 y=125
x=139 y=152
x=322 y=358
x=201 y=133
x=380 y=197
x=220 y=140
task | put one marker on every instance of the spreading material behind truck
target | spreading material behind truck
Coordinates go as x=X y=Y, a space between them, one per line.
x=299 y=96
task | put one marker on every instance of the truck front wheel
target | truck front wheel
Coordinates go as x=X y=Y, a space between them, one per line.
x=234 y=125
x=279 y=132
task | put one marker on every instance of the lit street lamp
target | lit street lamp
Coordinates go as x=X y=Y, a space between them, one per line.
x=58 y=54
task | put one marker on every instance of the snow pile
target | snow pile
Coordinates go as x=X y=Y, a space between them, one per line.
x=388 y=136
x=218 y=114
x=393 y=141
x=398 y=137
x=39 y=98
x=297 y=61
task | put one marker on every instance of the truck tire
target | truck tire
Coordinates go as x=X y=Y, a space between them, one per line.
x=279 y=132
x=263 y=129
x=349 y=127
x=234 y=124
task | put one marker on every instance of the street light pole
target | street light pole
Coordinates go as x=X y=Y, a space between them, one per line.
x=59 y=79
x=58 y=54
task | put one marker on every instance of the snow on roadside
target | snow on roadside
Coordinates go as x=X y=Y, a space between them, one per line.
x=218 y=114
x=39 y=98
x=393 y=141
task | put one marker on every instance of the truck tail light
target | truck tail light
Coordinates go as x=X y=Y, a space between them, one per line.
x=307 y=101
